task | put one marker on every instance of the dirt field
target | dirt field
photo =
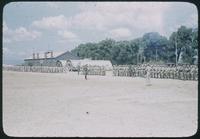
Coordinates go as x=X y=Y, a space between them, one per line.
x=64 y=104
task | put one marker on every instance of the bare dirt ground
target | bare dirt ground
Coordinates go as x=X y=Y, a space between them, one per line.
x=64 y=104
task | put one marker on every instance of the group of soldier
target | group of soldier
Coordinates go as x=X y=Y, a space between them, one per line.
x=182 y=72
x=43 y=69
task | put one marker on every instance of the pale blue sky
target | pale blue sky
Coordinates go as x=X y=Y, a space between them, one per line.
x=61 y=26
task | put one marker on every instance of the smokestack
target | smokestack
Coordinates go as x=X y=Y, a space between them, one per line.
x=51 y=53
x=38 y=56
x=33 y=55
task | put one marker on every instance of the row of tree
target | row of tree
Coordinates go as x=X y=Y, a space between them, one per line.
x=181 y=47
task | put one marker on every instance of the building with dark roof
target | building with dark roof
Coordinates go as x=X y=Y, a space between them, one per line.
x=49 y=58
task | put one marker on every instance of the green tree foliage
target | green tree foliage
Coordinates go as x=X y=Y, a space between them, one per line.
x=194 y=44
x=195 y=38
x=151 y=47
x=186 y=41
x=156 y=47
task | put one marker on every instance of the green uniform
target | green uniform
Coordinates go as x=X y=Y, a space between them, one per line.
x=86 y=71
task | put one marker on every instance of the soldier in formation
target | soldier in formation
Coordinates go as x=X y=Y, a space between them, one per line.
x=181 y=72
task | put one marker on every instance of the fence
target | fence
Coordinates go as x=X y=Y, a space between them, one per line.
x=43 y=69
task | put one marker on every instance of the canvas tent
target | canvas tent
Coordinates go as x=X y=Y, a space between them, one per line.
x=75 y=63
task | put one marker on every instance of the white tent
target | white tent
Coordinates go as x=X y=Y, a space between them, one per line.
x=103 y=63
x=75 y=63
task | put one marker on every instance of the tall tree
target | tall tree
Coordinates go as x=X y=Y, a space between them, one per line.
x=150 y=47
x=155 y=46
x=183 y=39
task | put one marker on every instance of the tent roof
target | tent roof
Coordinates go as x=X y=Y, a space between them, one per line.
x=106 y=63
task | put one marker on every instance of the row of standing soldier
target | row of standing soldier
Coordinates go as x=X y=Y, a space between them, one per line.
x=184 y=72
x=35 y=69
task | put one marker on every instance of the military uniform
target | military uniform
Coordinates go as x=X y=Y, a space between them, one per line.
x=179 y=72
x=187 y=73
x=176 y=73
x=130 y=73
x=164 y=72
x=173 y=70
x=196 y=73
x=193 y=73
x=148 y=74
x=86 y=71
x=133 y=71
x=153 y=72
x=159 y=72
x=168 y=72
x=114 y=71
x=137 y=71
x=183 y=73
x=78 y=69
x=144 y=71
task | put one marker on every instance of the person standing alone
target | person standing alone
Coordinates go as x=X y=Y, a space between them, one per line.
x=148 y=74
x=85 y=69
x=78 y=68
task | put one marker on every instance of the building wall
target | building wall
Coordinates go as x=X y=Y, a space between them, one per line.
x=33 y=62
x=49 y=62
x=40 y=62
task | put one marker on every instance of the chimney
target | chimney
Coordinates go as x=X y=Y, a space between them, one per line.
x=33 y=55
x=51 y=53
x=38 y=56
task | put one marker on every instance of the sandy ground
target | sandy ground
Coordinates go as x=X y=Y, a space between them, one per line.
x=64 y=104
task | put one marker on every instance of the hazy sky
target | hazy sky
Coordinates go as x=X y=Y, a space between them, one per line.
x=61 y=26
